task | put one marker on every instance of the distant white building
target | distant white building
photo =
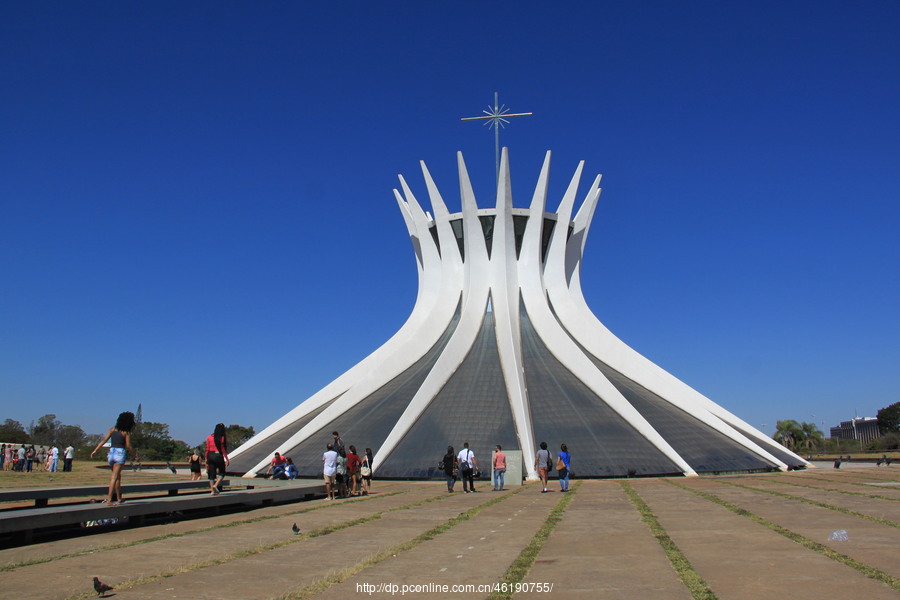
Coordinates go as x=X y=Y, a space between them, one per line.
x=864 y=429
x=501 y=348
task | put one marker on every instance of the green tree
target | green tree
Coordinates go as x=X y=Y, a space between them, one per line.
x=788 y=433
x=153 y=442
x=812 y=436
x=70 y=435
x=46 y=430
x=889 y=419
x=237 y=435
x=12 y=432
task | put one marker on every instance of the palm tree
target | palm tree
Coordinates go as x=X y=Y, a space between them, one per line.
x=812 y=435
x=788 y=433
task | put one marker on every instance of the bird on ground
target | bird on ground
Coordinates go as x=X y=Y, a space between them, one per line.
x=100 y=587
x=295 y=529
x=171 y=468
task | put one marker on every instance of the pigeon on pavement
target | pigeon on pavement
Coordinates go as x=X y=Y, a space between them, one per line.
x=171 y=468
x=100 y=587
x=295 y=529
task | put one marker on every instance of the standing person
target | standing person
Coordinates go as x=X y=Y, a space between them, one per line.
x=562 y=467
x=542 y=464
x=329 y=469
x=353 y=464
x=337 y=442
x=29 y=458
x=68 y=456
x=2 y=456
x=450 y=467
x=20 y=463
x=341 y=476
x=119 y=444
x=366 y=471
x=195 y=463
x=41 y=458
x=54 y=458
x=467 y=466
x=499 y=469
x=216 y=458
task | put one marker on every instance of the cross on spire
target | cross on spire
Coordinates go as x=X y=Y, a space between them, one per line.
x=495 y=118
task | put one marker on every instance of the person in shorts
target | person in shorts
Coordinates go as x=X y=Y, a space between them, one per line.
x=119 y=438
x=329 y=469
x=216 y=458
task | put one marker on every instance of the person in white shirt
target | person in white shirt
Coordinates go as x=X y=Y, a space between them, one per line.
x=329 y=469
x=467 y=466
x=68 y=455
x=54 y=459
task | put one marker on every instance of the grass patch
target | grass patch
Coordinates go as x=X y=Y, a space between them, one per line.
x=868 y=571
x=692 y=580
x=336 y=578
x=833 y=507
x=132 y=583
x=157 y=538
x=523 y=563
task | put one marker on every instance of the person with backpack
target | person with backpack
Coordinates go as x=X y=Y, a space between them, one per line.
x=467 y=466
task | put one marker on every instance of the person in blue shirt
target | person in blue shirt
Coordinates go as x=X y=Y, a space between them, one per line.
x=562 y=460
x=291 y=469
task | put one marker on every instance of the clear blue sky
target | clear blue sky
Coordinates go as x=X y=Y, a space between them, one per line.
x=196 y=210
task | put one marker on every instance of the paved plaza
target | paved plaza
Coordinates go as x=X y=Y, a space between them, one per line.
x=729 y=537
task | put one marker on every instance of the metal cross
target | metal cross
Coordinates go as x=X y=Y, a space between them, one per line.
x=495 y=118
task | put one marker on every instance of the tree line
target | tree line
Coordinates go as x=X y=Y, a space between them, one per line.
x=150 y=440
x=805 y=437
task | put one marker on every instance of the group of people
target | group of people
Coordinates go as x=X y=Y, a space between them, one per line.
x=119 y=438
x=463 y=465
x=27 y=458
x=346 y=473
x=282 y=467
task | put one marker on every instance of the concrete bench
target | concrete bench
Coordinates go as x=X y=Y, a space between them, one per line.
x=42 y=495
x=24 y=522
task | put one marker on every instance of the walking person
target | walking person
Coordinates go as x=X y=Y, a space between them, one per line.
x=499 y=463
x=68 y=456
x=562 y=467
x=195 y=462
x=450 y=467
x=329 y=470
x=119 y=438
x=467 y=466
x=216 y=458
x=542 y=464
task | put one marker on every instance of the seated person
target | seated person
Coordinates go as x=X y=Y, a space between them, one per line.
x=290 y=470
x=276 y=467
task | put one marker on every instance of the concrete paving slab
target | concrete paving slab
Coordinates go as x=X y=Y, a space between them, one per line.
x=871 y=543
x=742 y=560
x=474 y=553
x=279 y=571
x=70 y=575
x=602 y=549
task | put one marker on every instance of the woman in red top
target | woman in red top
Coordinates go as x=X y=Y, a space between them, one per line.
x=216 y=458
x=353 y=464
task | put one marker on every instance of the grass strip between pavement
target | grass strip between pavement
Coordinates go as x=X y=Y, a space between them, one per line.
x=868 y=571
x=823 y=489
x=523 y=563
x=691 y=579
x=157 y=538
x=833 y=507
x=132 y=583
x=336 y=578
